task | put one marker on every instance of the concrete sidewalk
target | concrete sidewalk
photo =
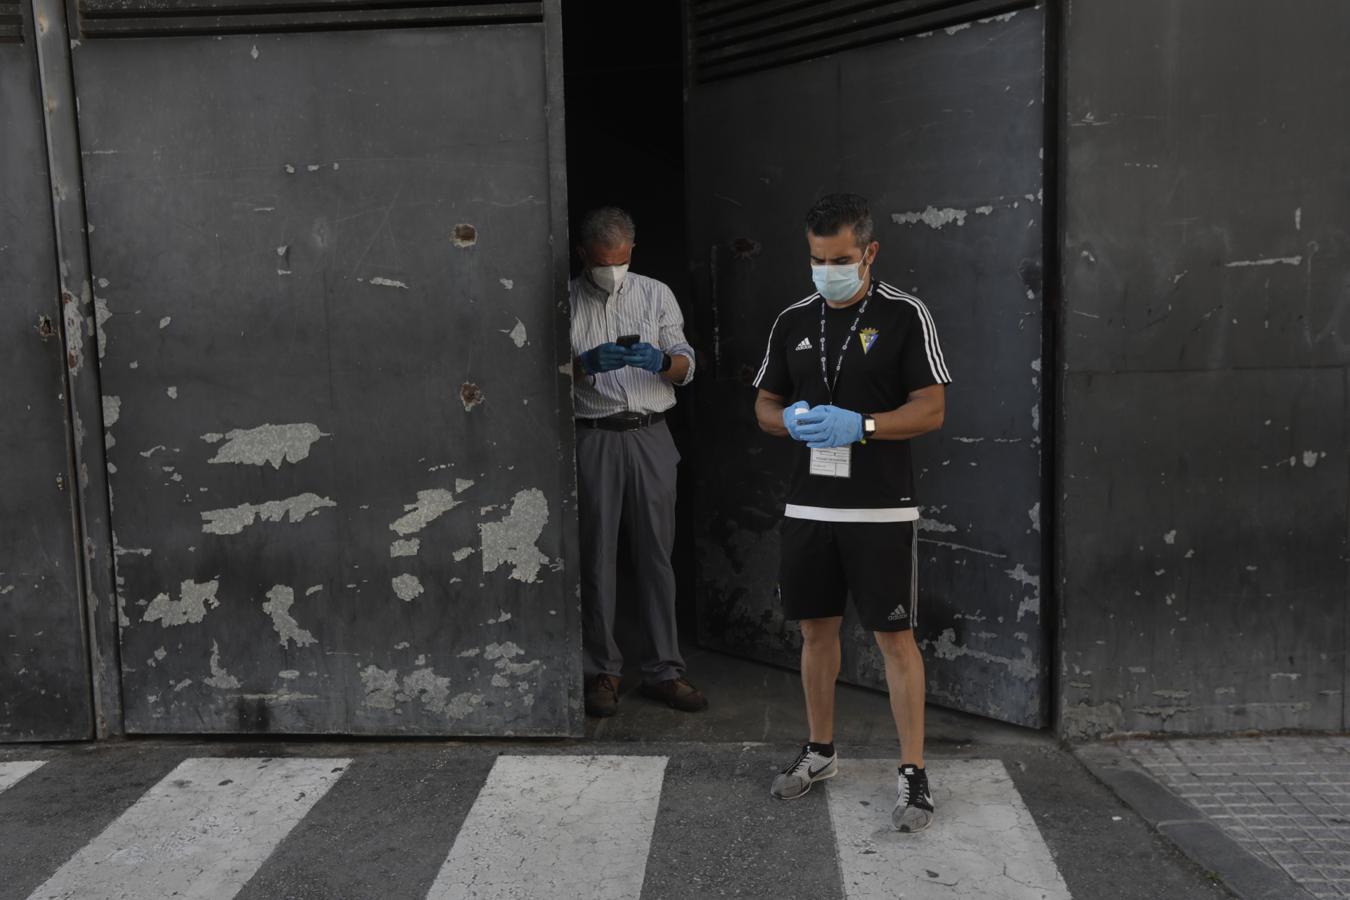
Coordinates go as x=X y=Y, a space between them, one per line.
x=1269 y=815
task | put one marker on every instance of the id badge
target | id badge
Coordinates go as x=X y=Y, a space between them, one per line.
x=835 y=462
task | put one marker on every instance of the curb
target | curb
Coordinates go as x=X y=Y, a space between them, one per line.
x=1185 y=826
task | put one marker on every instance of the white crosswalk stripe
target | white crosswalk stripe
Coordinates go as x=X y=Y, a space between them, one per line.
x=201 y=832
x=557 y=826
x=11 y=773
x=983 y=841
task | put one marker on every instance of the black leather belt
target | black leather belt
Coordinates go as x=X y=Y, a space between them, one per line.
x=626 y=421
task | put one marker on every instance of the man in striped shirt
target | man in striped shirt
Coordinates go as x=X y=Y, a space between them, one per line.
x=629 y=353
x=852 y=373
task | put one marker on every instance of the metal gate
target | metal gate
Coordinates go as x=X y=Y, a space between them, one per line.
x=327 y=245
x=936 y=115
x=44 y=668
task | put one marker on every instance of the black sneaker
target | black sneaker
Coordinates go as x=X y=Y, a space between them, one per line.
x=602 y=696
x=914 y=803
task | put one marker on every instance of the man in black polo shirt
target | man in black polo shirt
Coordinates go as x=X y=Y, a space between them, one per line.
x=852 y=373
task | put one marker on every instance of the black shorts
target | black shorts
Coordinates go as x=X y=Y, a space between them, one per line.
x=876 y=562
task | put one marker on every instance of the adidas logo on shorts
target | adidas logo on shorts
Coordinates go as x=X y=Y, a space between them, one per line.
x=805 y=344
x=898 y=614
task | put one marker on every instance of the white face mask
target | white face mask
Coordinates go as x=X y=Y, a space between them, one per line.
x=609 y=278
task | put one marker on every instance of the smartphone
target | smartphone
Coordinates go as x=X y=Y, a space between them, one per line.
x=627 y=340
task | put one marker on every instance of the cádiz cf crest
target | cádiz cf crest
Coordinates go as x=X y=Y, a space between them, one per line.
x=868 y=336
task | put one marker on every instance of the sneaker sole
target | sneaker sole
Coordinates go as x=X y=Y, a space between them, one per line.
x=904 y=828
x=808 y=786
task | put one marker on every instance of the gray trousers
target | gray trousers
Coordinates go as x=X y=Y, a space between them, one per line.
x=628 y=476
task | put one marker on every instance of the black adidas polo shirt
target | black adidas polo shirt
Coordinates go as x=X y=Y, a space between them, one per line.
x=894 y=352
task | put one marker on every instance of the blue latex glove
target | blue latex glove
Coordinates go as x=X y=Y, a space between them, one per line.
x=829 y=426
x=645 y=356
x=792 y=421
x=604 y=358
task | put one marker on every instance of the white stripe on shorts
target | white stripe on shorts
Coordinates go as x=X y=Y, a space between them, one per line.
x=831 y=514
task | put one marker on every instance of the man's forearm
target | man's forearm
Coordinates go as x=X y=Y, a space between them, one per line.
x=915 y=418
x=679 y=368
x=769 y=414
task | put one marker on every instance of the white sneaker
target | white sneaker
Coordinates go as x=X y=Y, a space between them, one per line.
x=808 y=768
x=914 y=802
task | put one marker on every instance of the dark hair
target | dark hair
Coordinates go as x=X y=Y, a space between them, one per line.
x=607 y=226
x=836 y=211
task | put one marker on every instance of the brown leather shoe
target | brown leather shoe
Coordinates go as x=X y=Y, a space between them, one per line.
x=677 y=693
x=602 y=696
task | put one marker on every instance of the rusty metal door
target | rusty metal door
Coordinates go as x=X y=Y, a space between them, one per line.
x=936 y=113
x=44 y=667
x=329 y=239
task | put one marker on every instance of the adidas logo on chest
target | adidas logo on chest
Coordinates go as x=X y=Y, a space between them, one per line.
x=805 y=344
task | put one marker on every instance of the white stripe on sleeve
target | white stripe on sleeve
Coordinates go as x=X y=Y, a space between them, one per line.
x=937 y=363
x=768 y=350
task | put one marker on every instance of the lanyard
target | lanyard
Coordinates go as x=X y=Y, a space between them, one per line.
x=824 y=360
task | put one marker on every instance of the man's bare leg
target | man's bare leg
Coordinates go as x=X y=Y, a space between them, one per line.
x=820 y=670
x=904 y=679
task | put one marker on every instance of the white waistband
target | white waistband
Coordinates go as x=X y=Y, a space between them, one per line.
x=830 y=514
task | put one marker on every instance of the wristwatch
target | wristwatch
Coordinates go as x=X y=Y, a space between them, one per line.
x=869 y=427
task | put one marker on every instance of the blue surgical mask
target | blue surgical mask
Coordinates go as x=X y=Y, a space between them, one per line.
x=837 y=283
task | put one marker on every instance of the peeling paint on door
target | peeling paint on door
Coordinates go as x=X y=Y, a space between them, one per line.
x=932 y=217
x=407 y=587
x=278 y=605
x=194 y=600
x=266 y=444
x=383 y=690
x=219 y=677
x=517 y=334
x=430 y=505
x=512 y=540
x=235 y=519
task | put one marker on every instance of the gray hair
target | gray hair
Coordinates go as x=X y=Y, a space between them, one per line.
x=607 y=226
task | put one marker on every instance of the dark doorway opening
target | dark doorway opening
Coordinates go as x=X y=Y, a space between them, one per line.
x=624 y=82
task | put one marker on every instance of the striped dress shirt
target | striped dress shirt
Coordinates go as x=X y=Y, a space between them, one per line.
x=642 y=306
